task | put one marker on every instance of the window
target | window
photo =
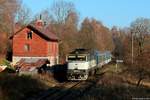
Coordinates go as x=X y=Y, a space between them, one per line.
x=76 y=58
x=27 y=47
x=29 y=34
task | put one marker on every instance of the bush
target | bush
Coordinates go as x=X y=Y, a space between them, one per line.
x=9 y=68
x=7 y=63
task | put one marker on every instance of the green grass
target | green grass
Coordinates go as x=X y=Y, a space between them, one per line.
x=7 y=63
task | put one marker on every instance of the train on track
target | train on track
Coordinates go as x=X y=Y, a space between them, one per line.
x=82 y=62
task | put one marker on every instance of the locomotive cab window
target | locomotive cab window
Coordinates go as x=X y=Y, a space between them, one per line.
x=29 y=34
x=81 y=58
x=76 y=58
x=71 y=58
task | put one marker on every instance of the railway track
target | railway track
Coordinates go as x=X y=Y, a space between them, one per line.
x=68 y=90
x=83 y=88
x=54 y=92
x=79 y=89
x=64 y=92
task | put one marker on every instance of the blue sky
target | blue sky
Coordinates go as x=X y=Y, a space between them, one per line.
x=110 y=12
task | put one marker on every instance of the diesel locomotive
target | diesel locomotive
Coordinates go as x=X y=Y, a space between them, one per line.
x=83 y=62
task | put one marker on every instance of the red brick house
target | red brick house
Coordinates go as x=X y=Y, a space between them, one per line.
x=35 y=42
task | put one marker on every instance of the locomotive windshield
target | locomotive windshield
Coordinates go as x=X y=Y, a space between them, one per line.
x=76 y=58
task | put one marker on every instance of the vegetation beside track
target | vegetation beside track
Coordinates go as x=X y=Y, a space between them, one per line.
x=113 y=84
x=117 y=84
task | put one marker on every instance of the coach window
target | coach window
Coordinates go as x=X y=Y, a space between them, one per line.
x=29 y=34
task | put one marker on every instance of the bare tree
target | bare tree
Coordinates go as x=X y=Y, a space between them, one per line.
x=23 y=15
x=118 y=38
x=8 y=10
x=60 y=10
x=140 y=31
x=46 y=16
x=62 y=13
x=139 y=28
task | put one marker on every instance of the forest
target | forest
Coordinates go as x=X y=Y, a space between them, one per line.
x=130 y=44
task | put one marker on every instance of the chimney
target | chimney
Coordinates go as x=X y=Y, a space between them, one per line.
x=39 y=23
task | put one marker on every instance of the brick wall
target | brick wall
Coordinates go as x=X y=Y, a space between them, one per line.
x=38 y=46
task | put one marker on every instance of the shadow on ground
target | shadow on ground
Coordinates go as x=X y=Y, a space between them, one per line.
x=98 y=92
x=59 y=72
x=15 y=87
x=110 y=88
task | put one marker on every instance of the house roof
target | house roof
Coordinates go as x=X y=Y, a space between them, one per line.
x=31 y=64
x=43 y=32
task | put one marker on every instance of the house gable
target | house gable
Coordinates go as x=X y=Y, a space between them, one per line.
x=46 y=36
x=22 y=46
x=34 y=43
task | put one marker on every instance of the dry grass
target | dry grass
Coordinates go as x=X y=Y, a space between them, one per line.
x=47 y=79
x=133 y=79
x=112 y=87
x=113 y=68
x=115 y=86
x=14 y=87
